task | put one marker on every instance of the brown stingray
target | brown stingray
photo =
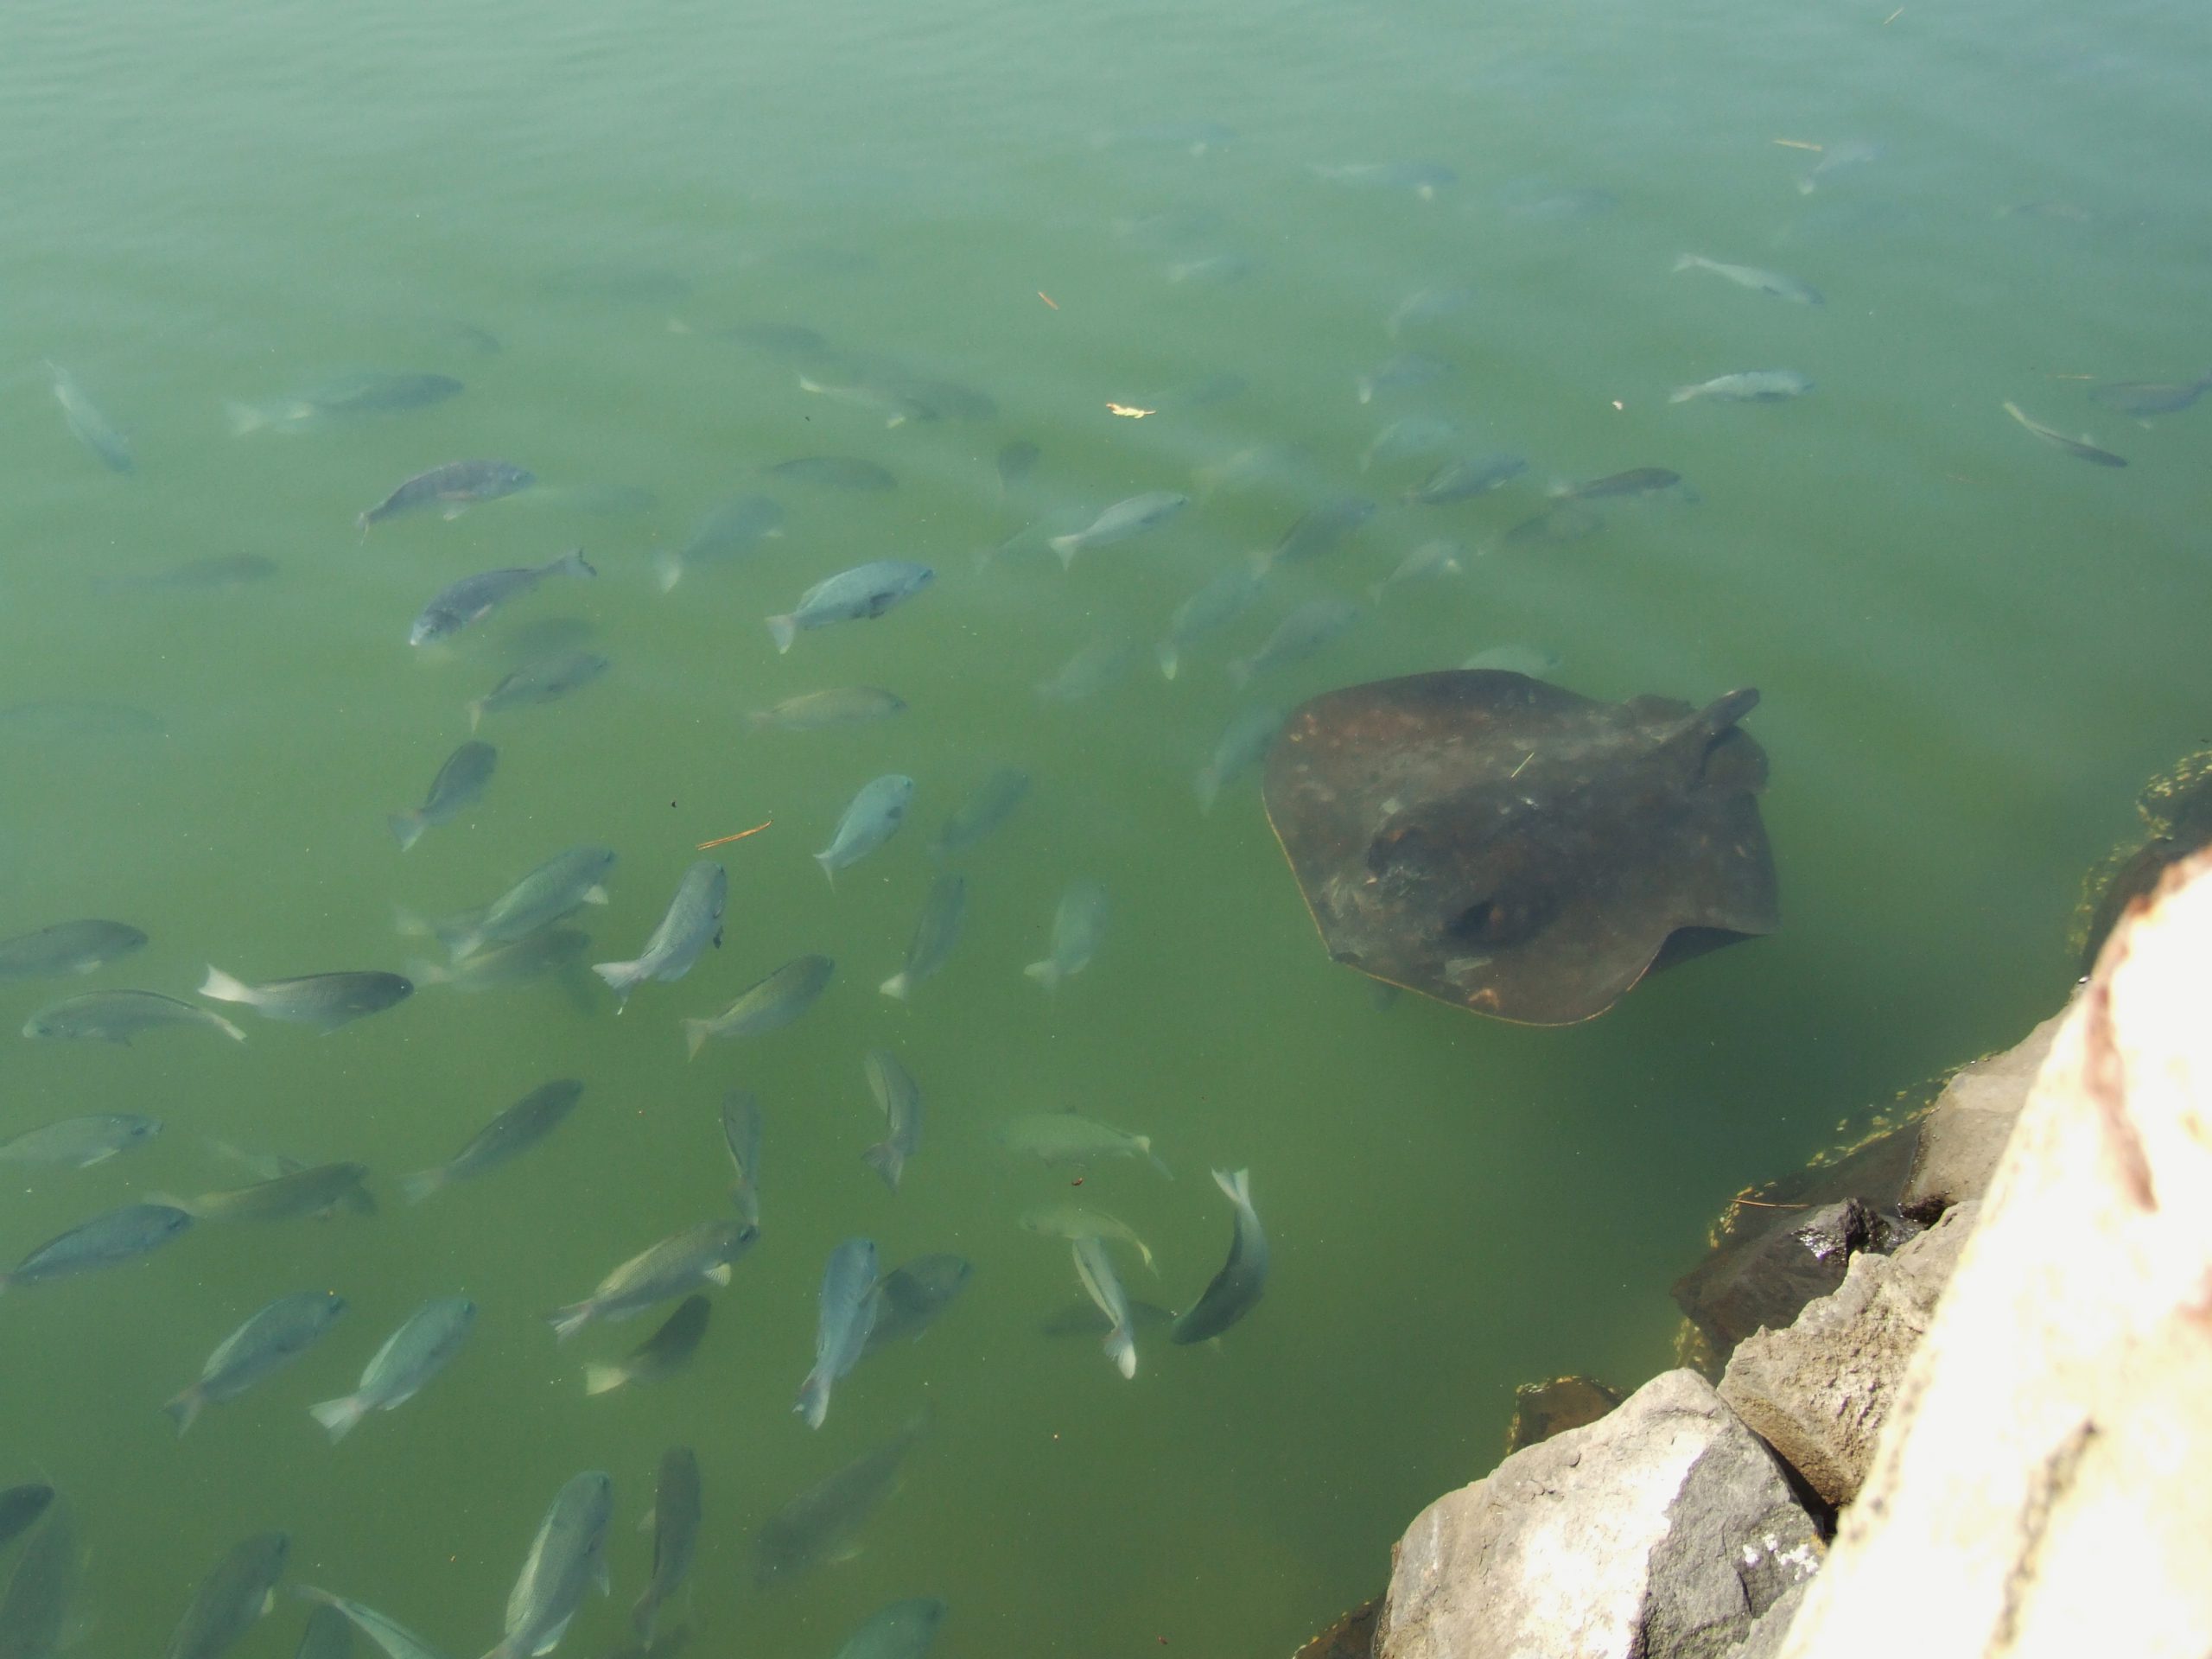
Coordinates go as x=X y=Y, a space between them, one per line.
x=1499 y=842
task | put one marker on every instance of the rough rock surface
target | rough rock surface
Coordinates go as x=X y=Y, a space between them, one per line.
x=1820 y=1391
x=1771 y=1627
x=2044 y=1486
x=1660 y=1532
x=1764 y=1279
x=1964 y=1133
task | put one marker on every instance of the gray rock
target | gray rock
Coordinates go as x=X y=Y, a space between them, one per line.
x=1762 y=1279
x=1660 y=1532
x=1967 y=1128
x=1768 y=1629
x=1820 y=1391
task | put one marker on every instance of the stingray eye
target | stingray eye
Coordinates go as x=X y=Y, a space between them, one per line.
x=1477 y=925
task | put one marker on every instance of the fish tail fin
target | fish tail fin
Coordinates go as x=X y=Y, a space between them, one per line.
x=695 y=1033
x=572 y=563
x=1066 y=547
x=225 y=988
x=1144 y=1146
x=228 y=1028
x=668 y=569
x=622 y=978
x=428 y=973
x=339 y=1416
x=1688 y=261
x=1208 y=789
x=1377 y=590
x=406 y=829
x=1806 y=186
x=1144 y=1251
x=245 y=418
x=642 y=1618
x=1045 y=973
x=1121 y=1349
x=1170 y=658
x=897 y=986
x=783 y=629
x=1681 y=394
x=828 y=869
x=1238 y=1185
x=475 y=713
x=185 y=1408
x=887 y=1161
x=603 y=1379
x=567 y=1321
x=413 y=1189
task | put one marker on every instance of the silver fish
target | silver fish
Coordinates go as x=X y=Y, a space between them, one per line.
x=92 y=429
x=693 y=921
x=847 y=706
x=459 y=786
x=1090 y=671
x=899 y=1099
x=367 y=392
x=389 y=1633
x=67 y=948
x=873 y=818
x=910 y=1298
x=1249 y=736
x=741 y=1119
x=1095 y=1268
x=556 y=889
x=35 y=1609
x=1237 y=1287
x=515 y=963
x=1436 y=558
x=1455 y=480
x=1015 y=463
x=20 y=1508
x=102 y=1242
x=1851 y=152
x=566 y=1558
x=458 y=484
x=728 y=533
x=1298 y=636
x=1427 y=305
x=2080 y=449
x=330 y=1634
x=818 y=1525
x=323 y=1001
x=547 y=680
x=1220 y=602
x=1750 y=277
x=1125 y=518
x=424 y=1345
x=675 y=1266
x=1073 y=1222
x=1318 y=530
x=276 y=1335
x=1078 y=929
x=1423 y=179
x=772 y=1003
x=1409 y=439
x=118 y=1016
x=866 y=590
x=231 y=1599
x=936 y=930
x=1413 y=369
x=80 y=1142
x=846 y=1310
x=2142 y=398
x=993 y=803
x=469 y=601
x=676 y=1516
x=1748 y=386
x=902 y=1630
x=667 y=1350
x=322 y=1190
x=1063 y=1138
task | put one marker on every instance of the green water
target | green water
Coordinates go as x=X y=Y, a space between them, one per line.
x=1971 y=649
